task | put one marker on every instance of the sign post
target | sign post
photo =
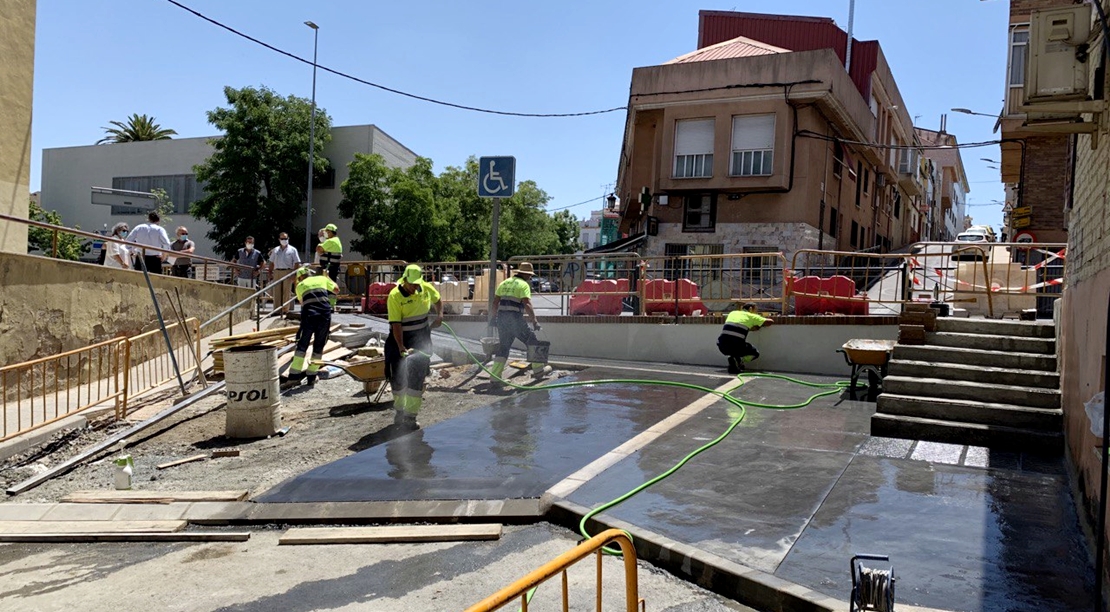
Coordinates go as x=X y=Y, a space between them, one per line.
x=496 y=180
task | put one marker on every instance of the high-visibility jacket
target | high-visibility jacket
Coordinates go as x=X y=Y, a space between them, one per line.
x=740 y=322
x=333 y=251
x=513 y=291
x=317 y=295
x=411 y=309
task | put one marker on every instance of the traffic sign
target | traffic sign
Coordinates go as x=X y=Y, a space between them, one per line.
x=1022 y=211
x=1025 y=237
x=496 y=177
x=1021 y=222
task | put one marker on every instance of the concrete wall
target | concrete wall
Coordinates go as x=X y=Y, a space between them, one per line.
x=50 y=306
x=17 y=71
x=68 y=174
x=809 y=349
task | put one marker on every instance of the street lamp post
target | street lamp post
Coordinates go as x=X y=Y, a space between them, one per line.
x=968 y=111
x=311 y=145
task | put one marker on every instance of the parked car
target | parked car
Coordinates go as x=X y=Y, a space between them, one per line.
x=978 y=237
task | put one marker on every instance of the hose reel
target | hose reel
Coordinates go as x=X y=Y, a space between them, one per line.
x=872 y=589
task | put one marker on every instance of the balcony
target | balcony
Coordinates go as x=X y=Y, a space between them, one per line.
x=909 y=176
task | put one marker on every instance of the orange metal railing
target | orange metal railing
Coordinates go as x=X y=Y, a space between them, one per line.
x=520 y=589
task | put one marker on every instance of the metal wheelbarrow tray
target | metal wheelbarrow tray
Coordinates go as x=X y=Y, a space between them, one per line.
x=870 y=356
x=367 y=372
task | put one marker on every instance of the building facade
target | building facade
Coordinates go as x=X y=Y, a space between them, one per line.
x=796 y=153
x=70 y=173
x=17 y=71
x=947 y=183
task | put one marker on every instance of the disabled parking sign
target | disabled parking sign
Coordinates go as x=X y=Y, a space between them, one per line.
x=496 y=177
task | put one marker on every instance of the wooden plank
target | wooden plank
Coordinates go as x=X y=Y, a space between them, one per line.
x=225 y=453
x=266 y=333
x=57 y=527
x=103 y=536
x=391 y=534
x=152 y=497
x=162 y=466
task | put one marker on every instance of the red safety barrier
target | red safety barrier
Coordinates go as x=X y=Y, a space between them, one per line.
x=659 y=296
x=835 y=295
x=583 y=303
x=375 y=303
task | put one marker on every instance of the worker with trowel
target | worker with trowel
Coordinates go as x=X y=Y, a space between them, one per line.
x=511 y=302
x=733 y=340
x=409 y=347
x=317 y=295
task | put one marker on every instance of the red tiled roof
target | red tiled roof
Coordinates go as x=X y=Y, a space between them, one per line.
x=736 y=47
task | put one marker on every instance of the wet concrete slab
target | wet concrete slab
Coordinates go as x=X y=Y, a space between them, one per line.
x=517 y=447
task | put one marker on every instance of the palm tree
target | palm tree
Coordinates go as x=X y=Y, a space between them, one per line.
x=138 y=127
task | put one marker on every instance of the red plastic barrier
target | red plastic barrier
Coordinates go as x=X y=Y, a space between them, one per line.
x=812 y=303
x=582 y=303
x=828 y=295
x=659 y=296
x=375 y=304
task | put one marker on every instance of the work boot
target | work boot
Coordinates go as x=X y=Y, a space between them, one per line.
x=408 y=422
x=312 y=380
x=540 y=370
x=294 y=378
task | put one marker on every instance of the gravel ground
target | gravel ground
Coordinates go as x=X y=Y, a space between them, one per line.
x=326 y=423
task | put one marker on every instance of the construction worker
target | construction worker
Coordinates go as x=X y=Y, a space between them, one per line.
x=330 y=251
x=733 y=340
x=511 y=302
x=409 y=347
x=317 y=295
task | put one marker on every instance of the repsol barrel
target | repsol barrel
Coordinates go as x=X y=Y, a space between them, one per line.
x=253 y=392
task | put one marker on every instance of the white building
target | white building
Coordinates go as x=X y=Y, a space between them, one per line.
x=70 y=173
x=589 y=236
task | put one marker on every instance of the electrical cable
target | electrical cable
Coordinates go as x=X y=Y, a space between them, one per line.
x=573 y=205
x=384 y=87
x=875 y=145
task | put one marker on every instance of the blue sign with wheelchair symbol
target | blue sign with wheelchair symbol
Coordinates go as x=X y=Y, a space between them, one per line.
x=496 y=177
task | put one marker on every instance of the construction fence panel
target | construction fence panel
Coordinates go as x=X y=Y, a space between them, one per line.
x=463 y=285
x=584 y=284
x=150 y=365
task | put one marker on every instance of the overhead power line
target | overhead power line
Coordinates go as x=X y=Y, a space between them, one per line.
x=573 y=205
x=383 y=87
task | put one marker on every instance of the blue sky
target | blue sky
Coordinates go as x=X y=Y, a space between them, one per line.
x=102 y=61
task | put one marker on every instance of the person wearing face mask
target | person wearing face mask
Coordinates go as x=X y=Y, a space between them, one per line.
x=283 y=260
x=251 y=260
x=117 y=255
x=330 y=251
x=154 y=235
x=183 y=245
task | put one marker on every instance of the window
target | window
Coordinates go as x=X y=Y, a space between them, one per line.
x=753 y=145
x=325 y=179
x=1019 y=51
x=838 y=159
x=761 y=270
x=853 y=237
x=897 y=204
x=833 y=222
x=693 y=148
x=859 y=183
x=866 y=180
x=181 y=189
x=700 y=213
x=698 y=270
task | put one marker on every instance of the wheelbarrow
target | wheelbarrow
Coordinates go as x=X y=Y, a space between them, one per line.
x=370 y=373
x=870 y=357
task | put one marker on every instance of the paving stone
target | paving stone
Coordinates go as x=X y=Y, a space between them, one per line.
x=24 y=512
x=151 y=512
x=82 y=512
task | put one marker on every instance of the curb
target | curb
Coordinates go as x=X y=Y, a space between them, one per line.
x=509 y=511
x=40 y=436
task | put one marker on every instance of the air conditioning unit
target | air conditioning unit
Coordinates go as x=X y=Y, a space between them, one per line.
x=1057 y=63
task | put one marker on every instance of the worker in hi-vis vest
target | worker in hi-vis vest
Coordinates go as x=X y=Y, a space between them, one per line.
x=409 y=347
x=733 y=340
x=511 y=302
x=330 y=251
x=317 y=295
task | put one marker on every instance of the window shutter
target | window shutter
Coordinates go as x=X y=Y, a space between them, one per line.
x=693 y=137
x=753 y=132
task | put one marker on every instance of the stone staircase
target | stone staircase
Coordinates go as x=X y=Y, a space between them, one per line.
x=978 y=382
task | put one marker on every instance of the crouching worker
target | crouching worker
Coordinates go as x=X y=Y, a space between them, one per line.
x=317 y=295
x=409 y=347
x=511 y=302
x=733 y=340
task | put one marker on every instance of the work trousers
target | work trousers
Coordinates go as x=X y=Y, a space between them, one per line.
x=282 y=290
x=407 y=374
x=180 y=271
x=737 y=350
x=511 y=326
x=314 y=330
x=153 y=264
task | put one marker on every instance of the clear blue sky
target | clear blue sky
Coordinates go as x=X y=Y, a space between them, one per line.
x=102 y=61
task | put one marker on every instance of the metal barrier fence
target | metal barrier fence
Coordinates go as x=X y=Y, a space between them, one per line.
x=41 y=391
x=519 y=590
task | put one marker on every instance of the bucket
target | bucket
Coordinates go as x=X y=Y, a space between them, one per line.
x=253 y=392
x=490 y=345
x=537 y=353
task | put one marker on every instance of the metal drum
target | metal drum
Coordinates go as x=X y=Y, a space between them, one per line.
x=253 y=392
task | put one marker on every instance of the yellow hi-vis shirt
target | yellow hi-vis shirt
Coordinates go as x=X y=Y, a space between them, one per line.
x=333 y=251
x=317 y=294
x=513 y=291
x=411 y=310
x=740 y=322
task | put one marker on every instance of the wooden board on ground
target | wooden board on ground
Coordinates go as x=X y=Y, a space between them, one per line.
x=104 y=536
x=169 y=464
x=152 y=497
x=391 y=534
x=55 y=527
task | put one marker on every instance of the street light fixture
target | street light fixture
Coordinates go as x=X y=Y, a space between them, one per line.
x=968 y=111
x=988 y=160
x=311 y=145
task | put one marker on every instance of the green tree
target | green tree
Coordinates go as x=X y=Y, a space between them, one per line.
x=163 y=205
x=567 y=232
x=138 y=128
x=255 y=179
x=70 y=247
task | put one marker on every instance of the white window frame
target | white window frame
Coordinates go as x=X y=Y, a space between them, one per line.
x=747 y=157
x=693 y=165
x=1010 y=74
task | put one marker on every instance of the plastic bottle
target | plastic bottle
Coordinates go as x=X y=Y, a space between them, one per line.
x=125 y=468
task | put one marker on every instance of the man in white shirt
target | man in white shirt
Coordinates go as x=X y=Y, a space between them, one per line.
x=283 y=260
x=150 y=234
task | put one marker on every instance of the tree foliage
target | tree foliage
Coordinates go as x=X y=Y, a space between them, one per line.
x=163 y=205
x=414 y=215
x=256 y=177
x=70 y=247
x=137 y=128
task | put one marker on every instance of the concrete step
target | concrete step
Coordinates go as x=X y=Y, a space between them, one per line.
x=967 y=411
x=1043 y=346
x=972 y=391
x=990 y=327
x=976 y=357
x=974 y=373
x=973 y=434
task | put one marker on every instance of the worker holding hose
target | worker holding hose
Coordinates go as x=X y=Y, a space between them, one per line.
x=409 y=347
x=733 y=340
x=511 y=302
x=317 y=295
